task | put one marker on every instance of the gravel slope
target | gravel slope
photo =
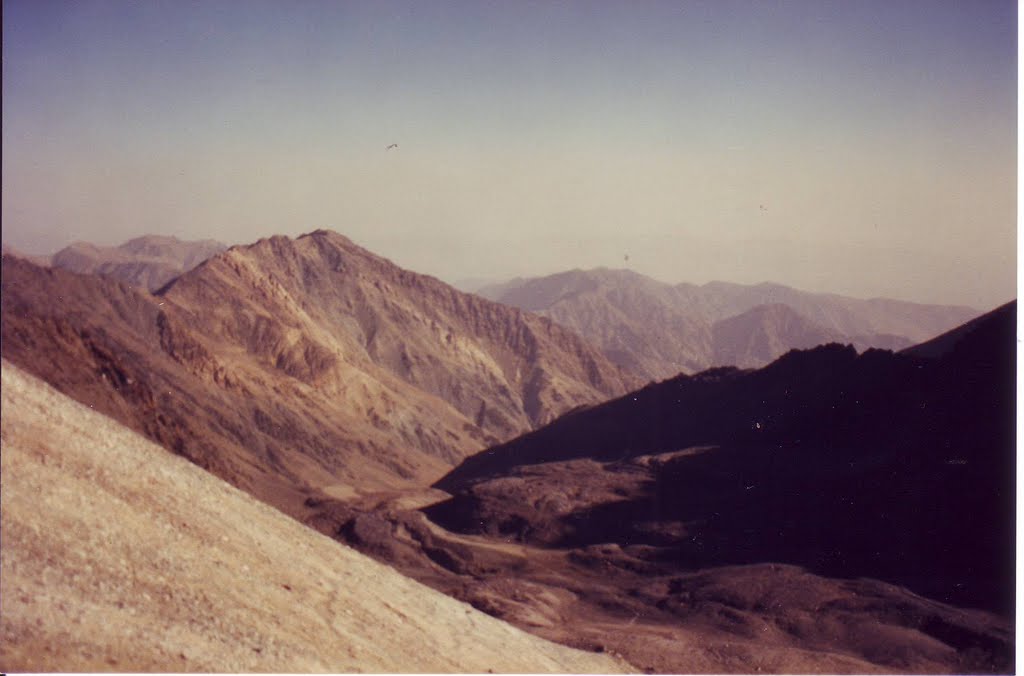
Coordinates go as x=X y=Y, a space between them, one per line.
x=118 y=556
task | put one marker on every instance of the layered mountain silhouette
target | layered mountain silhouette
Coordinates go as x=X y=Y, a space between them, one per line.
x=292 y=366
x=660 y=330
x=762 y=333
x=148 y=262
x=877 y=465
x=828 y=512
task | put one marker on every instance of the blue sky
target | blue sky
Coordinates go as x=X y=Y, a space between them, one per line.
x=859 y=147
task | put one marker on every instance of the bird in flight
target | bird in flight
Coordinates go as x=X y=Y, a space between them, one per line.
x=393 y=145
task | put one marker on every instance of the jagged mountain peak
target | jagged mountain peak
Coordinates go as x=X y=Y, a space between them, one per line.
x=303 y=358
x=425 y=331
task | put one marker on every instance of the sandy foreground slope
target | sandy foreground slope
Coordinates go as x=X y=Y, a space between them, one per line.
x=118 y=556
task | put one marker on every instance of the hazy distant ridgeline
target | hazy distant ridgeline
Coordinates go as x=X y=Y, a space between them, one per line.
x=653 y=329
x=43 y=261
x=660 y=329
x=148 y=262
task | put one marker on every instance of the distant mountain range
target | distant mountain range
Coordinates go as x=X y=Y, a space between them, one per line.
x=148 y=262
x=659 y=330
x=650 y=328
x=787 y=518
x=293 y=365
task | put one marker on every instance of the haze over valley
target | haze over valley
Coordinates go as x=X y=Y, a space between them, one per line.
x=863 y=149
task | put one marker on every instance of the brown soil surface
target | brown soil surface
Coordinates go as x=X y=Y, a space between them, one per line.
x=118 y=556
x=637 y=601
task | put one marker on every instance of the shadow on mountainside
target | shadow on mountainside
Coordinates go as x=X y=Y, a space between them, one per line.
x=706 y=524
x=877 y=465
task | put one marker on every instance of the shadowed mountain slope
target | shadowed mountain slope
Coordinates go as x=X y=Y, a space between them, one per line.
x=118 y=556
x=148 y=262
x=955 y=339
x=659 y=330
x=296 y=366
x=878 y=465
x=731 y=521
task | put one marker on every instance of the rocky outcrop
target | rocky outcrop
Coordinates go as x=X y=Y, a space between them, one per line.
x=293 y=366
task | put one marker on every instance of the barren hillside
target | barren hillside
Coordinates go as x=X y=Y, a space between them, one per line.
x=506 y=370
x=297 y=368
x=709 y=523
x=118 y=556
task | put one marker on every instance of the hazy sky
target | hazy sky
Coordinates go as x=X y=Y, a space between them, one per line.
x=866 y=148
